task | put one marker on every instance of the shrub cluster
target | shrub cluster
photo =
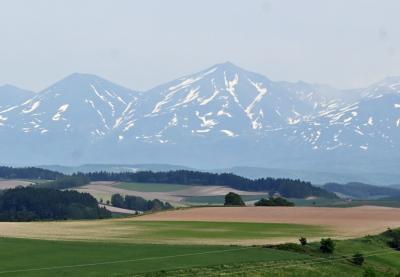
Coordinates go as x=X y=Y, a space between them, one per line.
x=138 y=203
x=233 y=199
x=277 y=201
x=327 y=245
x=394 y=236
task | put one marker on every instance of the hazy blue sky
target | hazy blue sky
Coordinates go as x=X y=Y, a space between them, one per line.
x=139 y=44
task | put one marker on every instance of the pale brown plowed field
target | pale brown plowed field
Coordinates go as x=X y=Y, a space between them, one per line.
x=10 y=184
x=346 y=222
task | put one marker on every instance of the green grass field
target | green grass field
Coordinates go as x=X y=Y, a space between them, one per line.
x=23 y=257
x=338 y=203
x=20 y=257
x=151 y=187
x=379 y=202
x=379 y=258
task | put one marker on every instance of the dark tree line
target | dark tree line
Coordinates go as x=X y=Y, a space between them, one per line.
x=66 y=182
x=30 y=203
x=138 y=203
x=28 y=173
x=286 y=187
x=57 y=180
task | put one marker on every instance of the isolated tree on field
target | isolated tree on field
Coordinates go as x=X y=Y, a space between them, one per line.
x=233 y=199
x=327 y=245
x=303 y=241
x=358 y=259
x=117 y=200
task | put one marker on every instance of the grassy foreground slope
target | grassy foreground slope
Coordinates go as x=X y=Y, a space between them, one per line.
x=57 y=258
x=380 y=261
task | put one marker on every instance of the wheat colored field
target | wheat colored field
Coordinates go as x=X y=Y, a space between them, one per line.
x=344 y=222
x=217 y=225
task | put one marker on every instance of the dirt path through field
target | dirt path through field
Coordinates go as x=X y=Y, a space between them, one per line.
x=346 y=222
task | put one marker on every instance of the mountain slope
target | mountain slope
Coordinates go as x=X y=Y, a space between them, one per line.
x=65 y=120
x=222 y=101
x=220 y=117
x=78 y=102
x=10 y=97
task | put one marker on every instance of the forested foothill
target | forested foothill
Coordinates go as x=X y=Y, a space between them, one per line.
x=7 y=172
x=286 y=187
x=289 y=188
x=31 y=203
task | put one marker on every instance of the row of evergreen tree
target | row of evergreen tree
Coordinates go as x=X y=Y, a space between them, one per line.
x=286 y=187
x=7 y=172
x=31 y=203
x=67 y=182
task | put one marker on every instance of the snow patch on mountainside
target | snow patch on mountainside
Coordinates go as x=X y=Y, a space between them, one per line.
x=60 y=112
x=229 y=133
x=32 y=108
x=230 y=86
x=205 y=122
x=262 y=91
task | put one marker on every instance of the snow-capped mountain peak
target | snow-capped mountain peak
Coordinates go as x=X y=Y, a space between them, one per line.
x=223 y=105
x=81 y=102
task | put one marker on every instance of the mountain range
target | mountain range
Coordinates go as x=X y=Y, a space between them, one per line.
x=220 y=117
